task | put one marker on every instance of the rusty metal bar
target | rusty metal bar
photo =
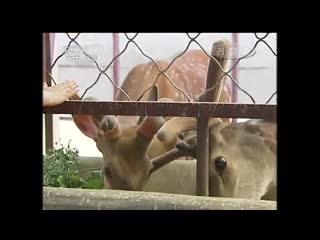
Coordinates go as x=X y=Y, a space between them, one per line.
x=202 y=156
x=46 y=61
x=116 y=63
x=235 y=56
x=143 y=108
x=220 y=50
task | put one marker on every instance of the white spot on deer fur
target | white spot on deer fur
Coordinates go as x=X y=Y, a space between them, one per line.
x=146 y=75
x=202 y=66
x=147 y=72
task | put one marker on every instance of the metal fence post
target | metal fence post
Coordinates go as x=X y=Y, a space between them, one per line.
x=203 y=156
x=116 y=63
x=46 y=64
x=235 y=56
x=220 y=52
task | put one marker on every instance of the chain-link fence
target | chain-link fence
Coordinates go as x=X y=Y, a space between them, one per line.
x=200 y=108
x=131 y=40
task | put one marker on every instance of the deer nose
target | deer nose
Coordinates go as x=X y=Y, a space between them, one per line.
x=129 y=185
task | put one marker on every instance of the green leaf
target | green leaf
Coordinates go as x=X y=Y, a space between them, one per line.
x=93 y=184
x=61 y=181
x=74 y=181
x=60 y=167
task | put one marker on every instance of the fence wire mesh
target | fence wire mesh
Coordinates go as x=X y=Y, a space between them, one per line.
x=131 y=40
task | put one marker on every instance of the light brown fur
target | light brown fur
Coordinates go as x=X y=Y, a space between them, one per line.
x=249 y=149
x=127 y=155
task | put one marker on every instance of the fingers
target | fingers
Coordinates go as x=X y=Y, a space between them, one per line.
x=69 y=85
x=73 y=84
x=65 y=89
x=69 y=82
x=69 y=92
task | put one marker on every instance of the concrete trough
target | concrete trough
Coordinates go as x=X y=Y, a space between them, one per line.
x=106 y=199
x=172 y=187
x=178 y=177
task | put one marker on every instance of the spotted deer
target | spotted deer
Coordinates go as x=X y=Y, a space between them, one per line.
x=127 y=143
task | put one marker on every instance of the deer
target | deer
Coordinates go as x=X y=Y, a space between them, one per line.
x=242 y=156
x=128 y=143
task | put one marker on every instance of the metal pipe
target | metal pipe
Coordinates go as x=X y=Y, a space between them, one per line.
x=194 y=109
x=234 y=73
x=202 y=156
x=46 y=68
x=116 y=63
x=220 y=51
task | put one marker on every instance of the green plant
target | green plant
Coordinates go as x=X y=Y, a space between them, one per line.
x=60 y=169
x=94 y=181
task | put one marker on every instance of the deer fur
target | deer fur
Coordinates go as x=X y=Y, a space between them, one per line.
x=249 y=149
x=127 y=143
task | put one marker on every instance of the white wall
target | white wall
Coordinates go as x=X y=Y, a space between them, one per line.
x=257 y=74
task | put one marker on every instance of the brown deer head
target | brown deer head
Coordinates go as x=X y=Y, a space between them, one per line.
x=124 y=149
x=242 y=156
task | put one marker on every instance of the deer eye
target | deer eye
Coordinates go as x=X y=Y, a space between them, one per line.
x=220 y=163
x=107 y=173
x=180 y=136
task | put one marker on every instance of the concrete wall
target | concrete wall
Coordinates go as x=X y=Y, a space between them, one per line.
x=84 y=199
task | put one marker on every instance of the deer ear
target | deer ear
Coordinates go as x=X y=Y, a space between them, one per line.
x=154 y=93
x=262 y=128
x=87 y=124
x=271 y=144
x=153 y=96
x=265 y=129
